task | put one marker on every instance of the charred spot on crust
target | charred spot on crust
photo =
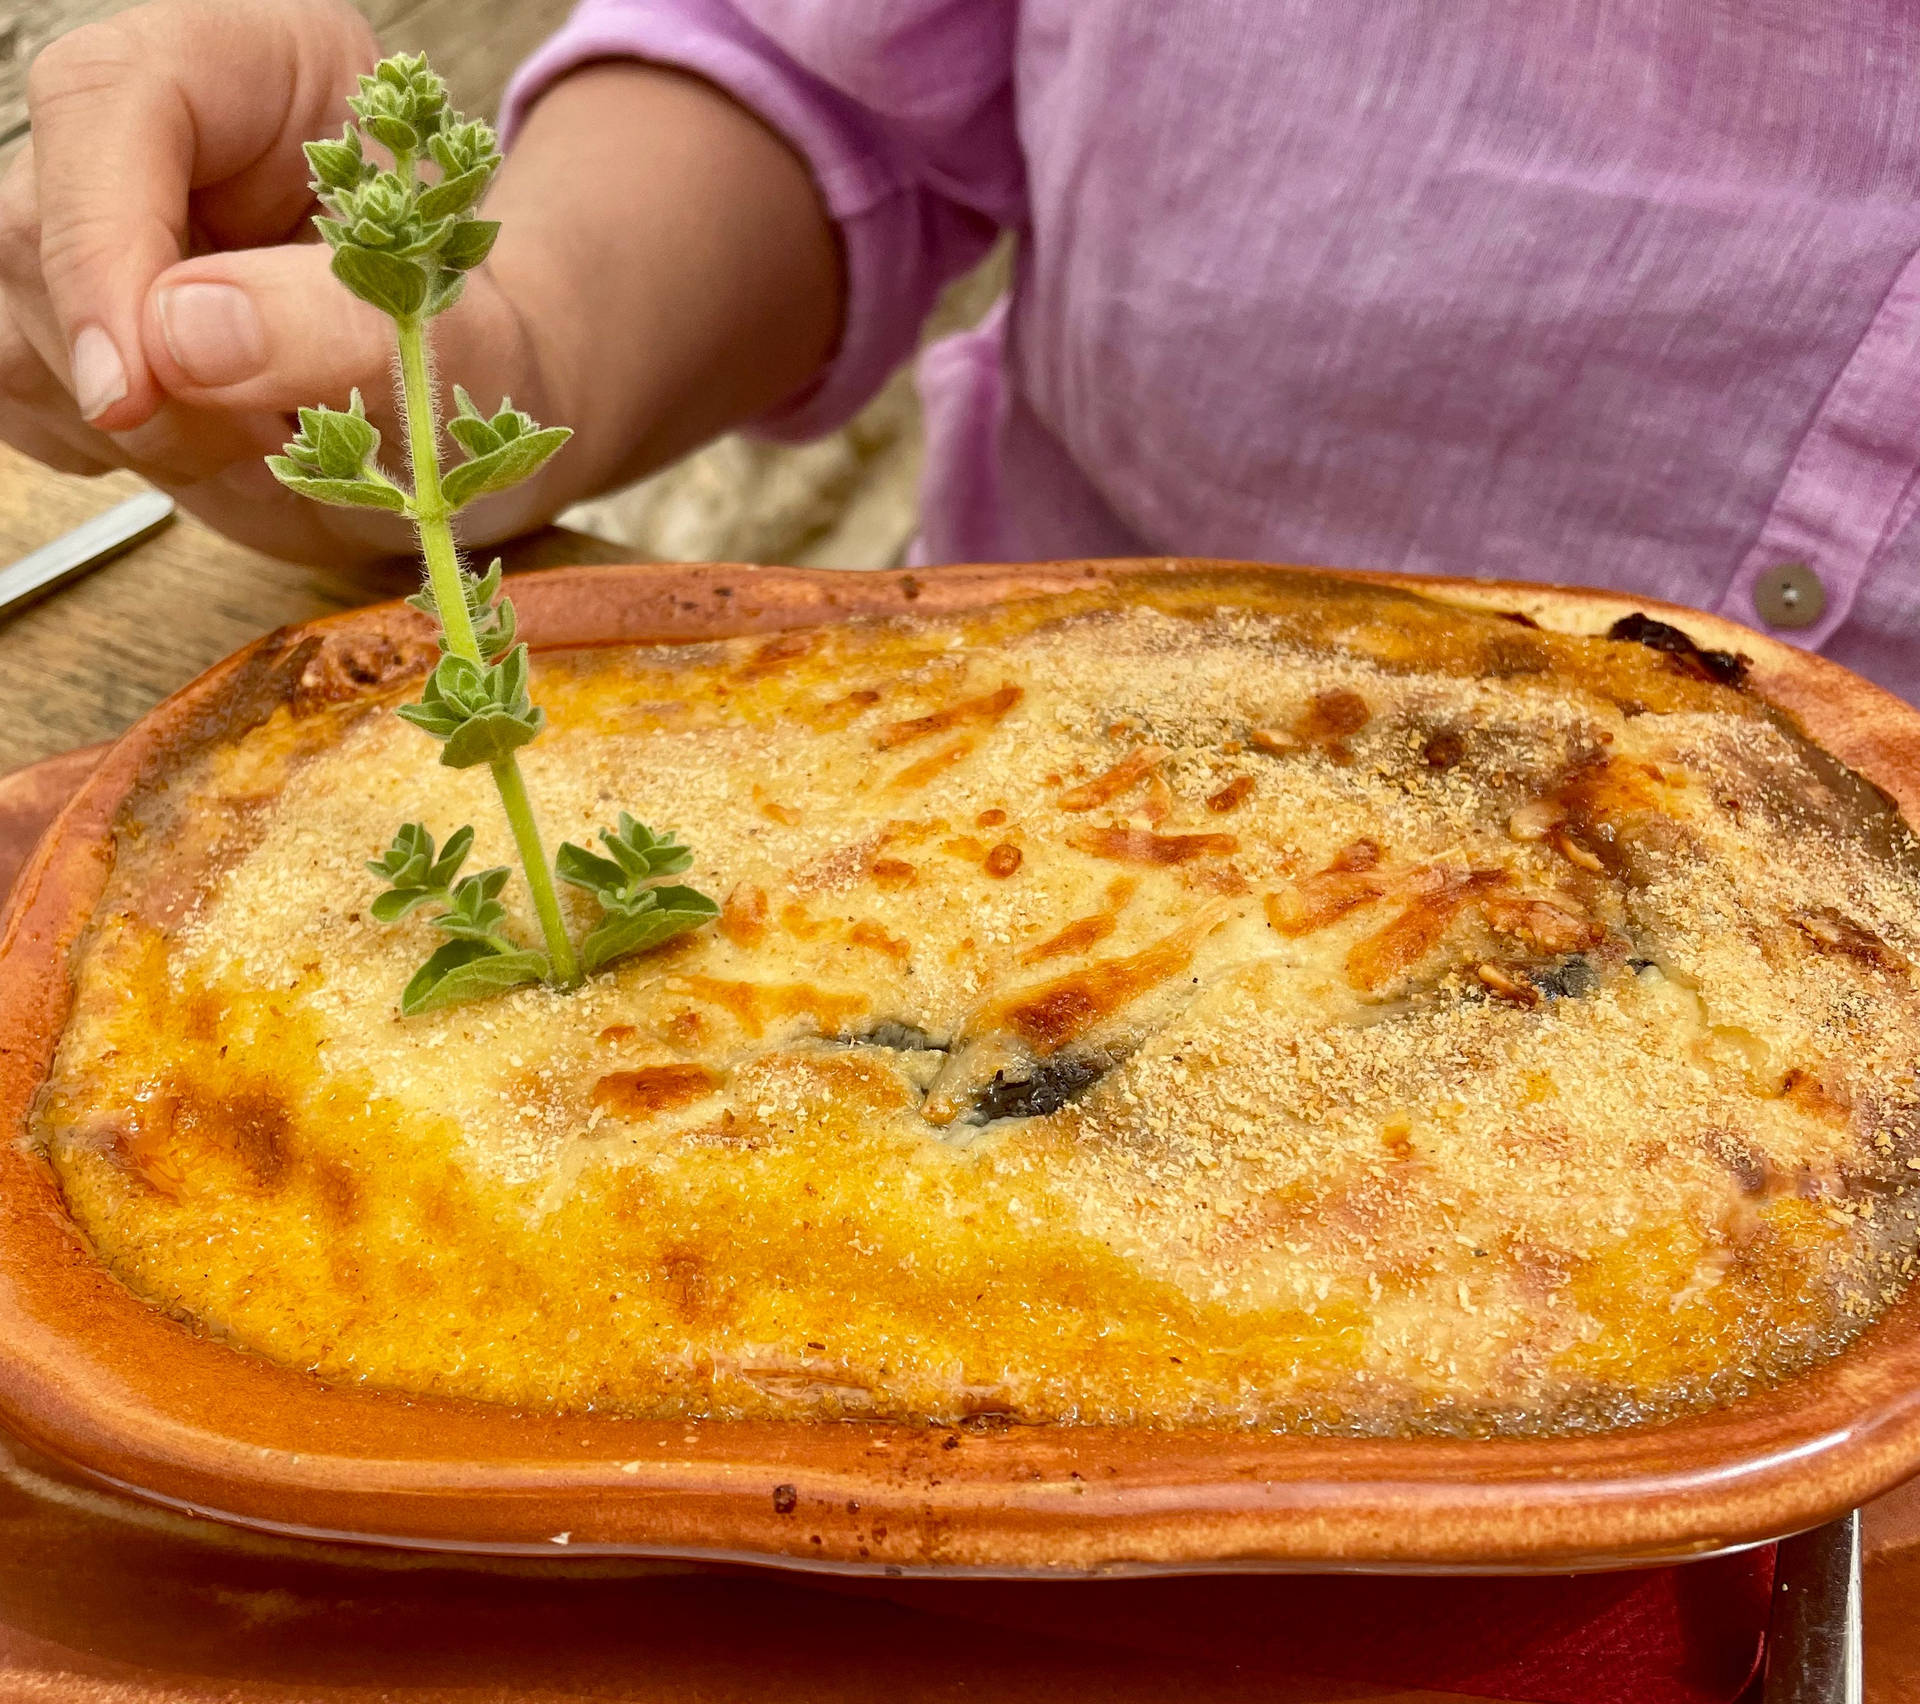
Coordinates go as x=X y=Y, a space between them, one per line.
x=1333 y=716
x=1063 y=1078
x=346 y=666
x=653 y=1088
x=255 y=1128
x=1727 y=668
x=1564 y=979
x=1142 y=846
x=699 y=1291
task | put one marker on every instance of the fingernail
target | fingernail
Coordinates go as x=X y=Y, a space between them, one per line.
x=99 y=377
x=213 y=331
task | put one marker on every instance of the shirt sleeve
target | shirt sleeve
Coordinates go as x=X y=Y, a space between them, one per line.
x=902 y=110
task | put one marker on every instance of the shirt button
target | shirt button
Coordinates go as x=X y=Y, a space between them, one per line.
x=1790 y=596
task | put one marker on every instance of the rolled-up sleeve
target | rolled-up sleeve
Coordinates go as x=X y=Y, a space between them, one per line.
x=902 y=110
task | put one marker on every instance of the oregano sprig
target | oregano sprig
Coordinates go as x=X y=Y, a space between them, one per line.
x=405 y=243
x=635 y=912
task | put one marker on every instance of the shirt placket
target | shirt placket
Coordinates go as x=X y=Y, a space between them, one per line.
x=1851 y=487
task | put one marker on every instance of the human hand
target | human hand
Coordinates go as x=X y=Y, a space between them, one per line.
x=174 y=130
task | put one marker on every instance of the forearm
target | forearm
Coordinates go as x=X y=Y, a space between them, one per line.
x=670 y=263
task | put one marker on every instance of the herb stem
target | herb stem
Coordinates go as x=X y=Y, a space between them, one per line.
x=433 y=523
x=533 y=858
x=430 y=514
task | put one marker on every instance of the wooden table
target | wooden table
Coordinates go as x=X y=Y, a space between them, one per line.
x=79 y=666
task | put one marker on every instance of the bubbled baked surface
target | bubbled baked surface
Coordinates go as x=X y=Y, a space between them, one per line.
x=1247 y=1001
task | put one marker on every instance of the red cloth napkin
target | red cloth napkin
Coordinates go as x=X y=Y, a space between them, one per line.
x=1691 y=1634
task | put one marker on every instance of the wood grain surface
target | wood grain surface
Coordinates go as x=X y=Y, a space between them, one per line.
x=78 y=667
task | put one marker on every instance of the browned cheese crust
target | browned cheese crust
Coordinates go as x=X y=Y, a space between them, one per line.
x=1246 y=1001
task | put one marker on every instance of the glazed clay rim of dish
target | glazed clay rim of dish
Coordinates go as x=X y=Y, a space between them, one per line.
x=94 y=1376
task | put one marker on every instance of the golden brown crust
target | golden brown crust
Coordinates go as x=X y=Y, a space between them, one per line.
x=90 y=1375
x=1445 y=1023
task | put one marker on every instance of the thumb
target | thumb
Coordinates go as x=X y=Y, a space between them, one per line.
x=262 y=329
x=273 y=330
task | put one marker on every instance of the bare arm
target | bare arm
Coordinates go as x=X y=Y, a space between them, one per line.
x=673 y=260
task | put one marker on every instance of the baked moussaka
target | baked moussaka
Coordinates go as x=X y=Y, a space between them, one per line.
x=1249 y=1000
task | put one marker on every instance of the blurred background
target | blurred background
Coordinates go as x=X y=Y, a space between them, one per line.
x=82 y=665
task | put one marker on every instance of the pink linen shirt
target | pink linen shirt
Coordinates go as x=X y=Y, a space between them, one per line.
x=1610 y=292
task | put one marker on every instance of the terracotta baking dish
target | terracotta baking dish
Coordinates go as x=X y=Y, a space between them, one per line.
x=132 y=1398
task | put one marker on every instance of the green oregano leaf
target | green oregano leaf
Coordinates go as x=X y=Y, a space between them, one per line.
x=580 y=868
x=394 y=286
x=469 y=970
x=395 y=903
x=447 y=289
x=331 y=459
x=495 y=631
x=639 y=855
x=481 y=711
x=464 y=145
x=341 y=443
x=422 y=238
x=452 y=856
x=636 y=914
x=396 y=133
x=402 y=103
x=455 y=194
x=669 y=911
x=474 y=911
x=641 y=852
x=495 y=625
x=469 y=428
x=342 y=493
x=489 y=737
x=388 y=283
x=339 y=165
x=514 y=461
x=379 y=213
x=469 y=243
x=408 y=858
x=415 y=876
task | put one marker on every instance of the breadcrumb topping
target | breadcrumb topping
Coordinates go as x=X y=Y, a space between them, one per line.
x=1214 y=1001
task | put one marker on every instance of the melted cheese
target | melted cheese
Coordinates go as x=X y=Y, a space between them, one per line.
x=1315 y=1008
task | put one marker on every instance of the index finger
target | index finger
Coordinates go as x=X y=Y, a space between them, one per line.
x=131 y=116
